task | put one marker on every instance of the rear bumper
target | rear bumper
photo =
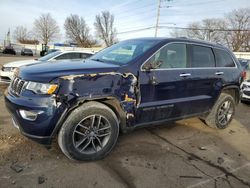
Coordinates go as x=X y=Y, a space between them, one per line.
x=41 y=129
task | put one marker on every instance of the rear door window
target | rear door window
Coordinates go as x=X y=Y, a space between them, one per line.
x=202 y=56
x=75 y=55
x=85 y=55
x=223 y=58
x=63 y=56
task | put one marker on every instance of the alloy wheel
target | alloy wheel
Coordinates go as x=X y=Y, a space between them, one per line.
x=91 y=134
x=225 y=112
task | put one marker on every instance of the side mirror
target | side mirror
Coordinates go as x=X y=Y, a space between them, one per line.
x=153 y=65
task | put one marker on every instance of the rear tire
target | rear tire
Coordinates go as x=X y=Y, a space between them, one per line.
x=89 y=133
x=222 y=112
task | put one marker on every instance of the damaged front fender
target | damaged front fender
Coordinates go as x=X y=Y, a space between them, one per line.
x=121 y=86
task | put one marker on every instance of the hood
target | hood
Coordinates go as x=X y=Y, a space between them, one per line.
x=48 y=71
x=20 y=63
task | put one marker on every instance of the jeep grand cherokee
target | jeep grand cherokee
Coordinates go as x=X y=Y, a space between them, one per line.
x=130 y=84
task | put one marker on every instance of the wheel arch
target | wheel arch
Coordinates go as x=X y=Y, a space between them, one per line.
x=234 y=91
x=112 y=102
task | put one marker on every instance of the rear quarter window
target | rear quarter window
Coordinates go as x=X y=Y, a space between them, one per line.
x=223 y=58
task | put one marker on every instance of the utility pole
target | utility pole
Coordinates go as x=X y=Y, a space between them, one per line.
x=158 y=14
x=157 y=17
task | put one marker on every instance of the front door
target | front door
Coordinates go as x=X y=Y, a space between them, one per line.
x=165 y=90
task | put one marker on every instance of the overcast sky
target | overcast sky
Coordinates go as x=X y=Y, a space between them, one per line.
x=129 y=15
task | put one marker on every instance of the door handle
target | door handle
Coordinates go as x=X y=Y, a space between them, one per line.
x=185 y=74
x=219 y=73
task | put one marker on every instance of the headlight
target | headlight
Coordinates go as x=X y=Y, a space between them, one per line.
x=8 y=69
x=41 y=88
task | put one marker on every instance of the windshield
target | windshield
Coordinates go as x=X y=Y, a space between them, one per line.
x=49 y=56
x=124 y=52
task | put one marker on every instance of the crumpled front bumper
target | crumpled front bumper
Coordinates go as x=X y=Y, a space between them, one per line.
x=41 y=129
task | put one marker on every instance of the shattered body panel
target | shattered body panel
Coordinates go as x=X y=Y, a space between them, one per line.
x=122 y=87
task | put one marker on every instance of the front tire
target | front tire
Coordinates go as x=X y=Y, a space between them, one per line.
x=89 y=133
x=222 y=112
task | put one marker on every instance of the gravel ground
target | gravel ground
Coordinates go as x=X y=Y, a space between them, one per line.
x=181 y=154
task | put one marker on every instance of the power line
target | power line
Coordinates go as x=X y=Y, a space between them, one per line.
x=200 y=3
x=135 y=9
x=136 y=30
x=184 y=28
x=137 y=19
x=205 y=29
x=160 y=6
x=137 y=13
x=135 y=16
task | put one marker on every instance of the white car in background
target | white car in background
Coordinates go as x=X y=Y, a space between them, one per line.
x=7 y=71
x=245 y=91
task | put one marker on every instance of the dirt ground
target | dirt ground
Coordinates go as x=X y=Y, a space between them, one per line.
x=181 y=154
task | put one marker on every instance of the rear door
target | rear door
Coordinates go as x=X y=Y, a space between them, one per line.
x=205 y=79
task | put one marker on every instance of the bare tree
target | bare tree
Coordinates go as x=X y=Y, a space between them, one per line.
x=178 y=33
x=46 y=28
x=77 y=31
x=232 y=31
x=239 y=38
x=207 y=29
x=104 y=25
x=20 y=33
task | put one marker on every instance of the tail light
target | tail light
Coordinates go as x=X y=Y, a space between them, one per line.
x=244 y=75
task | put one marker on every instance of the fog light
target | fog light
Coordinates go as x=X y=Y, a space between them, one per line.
x=29 y=115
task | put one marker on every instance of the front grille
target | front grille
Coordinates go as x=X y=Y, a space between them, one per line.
x=16 y=86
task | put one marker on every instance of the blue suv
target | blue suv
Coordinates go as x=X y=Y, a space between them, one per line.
x=134 y=83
